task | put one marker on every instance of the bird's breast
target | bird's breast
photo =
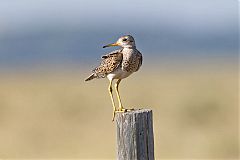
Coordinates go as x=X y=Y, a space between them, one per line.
x=130 y=61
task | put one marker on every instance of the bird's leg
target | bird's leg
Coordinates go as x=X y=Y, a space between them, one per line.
x=110 y=92
x=121 y=109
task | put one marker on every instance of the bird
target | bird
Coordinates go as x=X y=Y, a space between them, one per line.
x=117 y=65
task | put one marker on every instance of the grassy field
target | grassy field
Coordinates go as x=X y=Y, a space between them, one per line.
x=56 y=114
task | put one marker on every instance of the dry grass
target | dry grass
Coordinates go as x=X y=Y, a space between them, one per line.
x=58 y=115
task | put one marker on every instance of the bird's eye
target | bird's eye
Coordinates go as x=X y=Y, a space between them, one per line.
x=124 y=39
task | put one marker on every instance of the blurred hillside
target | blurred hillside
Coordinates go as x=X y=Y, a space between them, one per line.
x=58 y=115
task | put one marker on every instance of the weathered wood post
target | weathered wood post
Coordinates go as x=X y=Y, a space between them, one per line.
x=135 y=135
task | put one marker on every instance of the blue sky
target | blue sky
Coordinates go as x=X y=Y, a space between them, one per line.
x=187 y=14
x=73 y=31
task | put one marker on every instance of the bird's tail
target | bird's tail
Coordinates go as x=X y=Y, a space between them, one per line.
x=92 y=76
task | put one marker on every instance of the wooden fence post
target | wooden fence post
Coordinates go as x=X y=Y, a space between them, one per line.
x=135 y=135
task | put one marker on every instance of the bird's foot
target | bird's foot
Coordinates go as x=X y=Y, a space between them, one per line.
x=121 y=110
x=126 y=110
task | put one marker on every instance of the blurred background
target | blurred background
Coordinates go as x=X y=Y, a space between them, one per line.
x=189 y=77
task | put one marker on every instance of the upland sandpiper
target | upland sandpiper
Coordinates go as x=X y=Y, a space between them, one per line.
x=118 y=64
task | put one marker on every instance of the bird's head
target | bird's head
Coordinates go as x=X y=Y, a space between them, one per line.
x=124 y=41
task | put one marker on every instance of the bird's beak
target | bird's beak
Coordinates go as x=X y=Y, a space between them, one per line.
x=110 y=45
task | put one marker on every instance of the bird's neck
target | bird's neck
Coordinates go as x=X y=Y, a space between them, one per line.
x=129 y=47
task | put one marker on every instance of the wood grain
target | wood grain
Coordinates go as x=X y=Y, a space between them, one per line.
x=135 y=139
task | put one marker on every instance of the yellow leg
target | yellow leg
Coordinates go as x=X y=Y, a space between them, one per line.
x=110 y=92
x=121 y=109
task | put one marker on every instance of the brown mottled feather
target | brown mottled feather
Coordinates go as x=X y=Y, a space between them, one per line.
x=140 y=59
x=132 y=61
x=109 y=63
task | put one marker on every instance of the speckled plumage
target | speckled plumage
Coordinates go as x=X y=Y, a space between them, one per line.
x=110 y=62
x=121 y=60
x=118 y=64
x=132 y=60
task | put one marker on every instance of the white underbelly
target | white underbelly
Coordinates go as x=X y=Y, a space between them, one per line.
x=118 y=74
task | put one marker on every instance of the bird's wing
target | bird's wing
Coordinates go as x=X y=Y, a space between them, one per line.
x=109 y=63
x=140 y=59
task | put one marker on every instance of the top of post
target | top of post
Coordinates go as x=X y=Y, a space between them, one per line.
x=138 y=111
